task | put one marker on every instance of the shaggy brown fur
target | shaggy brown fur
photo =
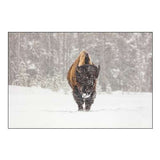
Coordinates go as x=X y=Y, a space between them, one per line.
x=82 y=77
x=71 y=77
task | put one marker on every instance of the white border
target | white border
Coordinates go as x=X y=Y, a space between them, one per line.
x=79 y=16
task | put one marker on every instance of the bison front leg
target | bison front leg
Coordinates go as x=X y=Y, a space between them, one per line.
x=78 y=98
x=89 y=101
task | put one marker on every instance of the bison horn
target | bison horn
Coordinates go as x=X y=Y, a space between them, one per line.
x=98 y=69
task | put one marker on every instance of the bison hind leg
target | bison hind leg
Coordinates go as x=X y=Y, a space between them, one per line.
x=78 y=98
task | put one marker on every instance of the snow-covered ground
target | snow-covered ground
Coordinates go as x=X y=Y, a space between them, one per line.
x=43 y=108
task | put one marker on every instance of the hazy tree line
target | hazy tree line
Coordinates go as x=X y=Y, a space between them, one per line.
x=43 y=59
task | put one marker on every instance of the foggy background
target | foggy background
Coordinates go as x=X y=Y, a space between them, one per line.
x=43 y=59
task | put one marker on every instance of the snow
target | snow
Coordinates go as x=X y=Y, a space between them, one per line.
x=32 y=66
x=42 y=108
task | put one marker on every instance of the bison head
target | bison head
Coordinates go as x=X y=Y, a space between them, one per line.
x=86 y=76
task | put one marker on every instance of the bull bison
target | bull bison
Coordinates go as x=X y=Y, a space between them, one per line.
x=82 y=77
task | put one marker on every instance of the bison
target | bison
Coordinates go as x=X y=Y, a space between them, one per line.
x=82 y=77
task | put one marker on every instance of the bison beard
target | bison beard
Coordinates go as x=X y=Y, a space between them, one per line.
x=82 y=78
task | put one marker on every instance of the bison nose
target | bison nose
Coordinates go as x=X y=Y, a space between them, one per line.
x=87 y=91
x=83 y=90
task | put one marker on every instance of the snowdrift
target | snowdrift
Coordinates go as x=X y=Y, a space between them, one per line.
x=42 y=108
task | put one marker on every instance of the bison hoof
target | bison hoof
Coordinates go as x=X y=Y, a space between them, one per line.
x=80 y=109
x=87 y=108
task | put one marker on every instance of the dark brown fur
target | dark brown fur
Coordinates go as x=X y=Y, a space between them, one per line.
x=82 y=77
x=71 y=76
